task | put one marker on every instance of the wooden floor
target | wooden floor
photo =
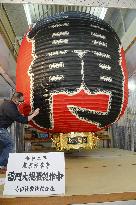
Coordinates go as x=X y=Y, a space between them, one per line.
x=96 y=176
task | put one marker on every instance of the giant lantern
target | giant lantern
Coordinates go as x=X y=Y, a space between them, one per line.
x=72 y=66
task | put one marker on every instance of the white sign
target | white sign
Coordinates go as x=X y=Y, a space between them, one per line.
x=35 y=174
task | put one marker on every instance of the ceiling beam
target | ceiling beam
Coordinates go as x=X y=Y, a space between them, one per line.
x=97 y=3
x=8 y=33
x=6 y=77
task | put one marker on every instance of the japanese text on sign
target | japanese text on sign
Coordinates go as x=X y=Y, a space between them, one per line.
x=35 y=174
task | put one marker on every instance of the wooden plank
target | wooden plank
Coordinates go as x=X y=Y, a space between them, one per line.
x=69 y=200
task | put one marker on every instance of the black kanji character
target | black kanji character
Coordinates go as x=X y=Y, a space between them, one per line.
x=27 y=158
x=42 y=165
x=17 y=189
x=46 y=188
x=42 y=188
x=48 y=164
x=52 y=188
x=11 y=176
x=30 y=165
x=75 y=69
x=25 y=176
x=35 y=165
x=26 y=188
x=36 y=188
x=24 y=165
x=39 y=176
x=59 y=176
x=31 y=188
x=33 y=158
x=32 y=176
x=38 y=158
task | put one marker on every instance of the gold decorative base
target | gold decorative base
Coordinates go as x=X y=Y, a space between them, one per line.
x=75 y=141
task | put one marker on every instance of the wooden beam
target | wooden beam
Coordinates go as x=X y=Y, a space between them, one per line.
x=131 y=44
x=69 y=200
x=7 y=78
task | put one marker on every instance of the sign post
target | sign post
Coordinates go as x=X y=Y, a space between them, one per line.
x=35 y=174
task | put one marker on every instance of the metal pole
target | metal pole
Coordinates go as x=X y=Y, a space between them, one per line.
x=124 y=29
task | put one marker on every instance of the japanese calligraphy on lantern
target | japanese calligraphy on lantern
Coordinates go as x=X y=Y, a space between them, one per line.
x=72 y=64
x=35 y=174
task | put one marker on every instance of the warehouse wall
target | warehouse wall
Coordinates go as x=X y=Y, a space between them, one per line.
x=124 y=131
x=7 y=63
x=124 y=23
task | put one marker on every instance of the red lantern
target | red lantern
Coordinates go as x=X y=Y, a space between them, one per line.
x=72 y=67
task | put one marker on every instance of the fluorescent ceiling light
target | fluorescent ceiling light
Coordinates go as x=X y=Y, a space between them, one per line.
x=99 y=12
x=27 y=12
x=131 y=85
x=103 y=13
